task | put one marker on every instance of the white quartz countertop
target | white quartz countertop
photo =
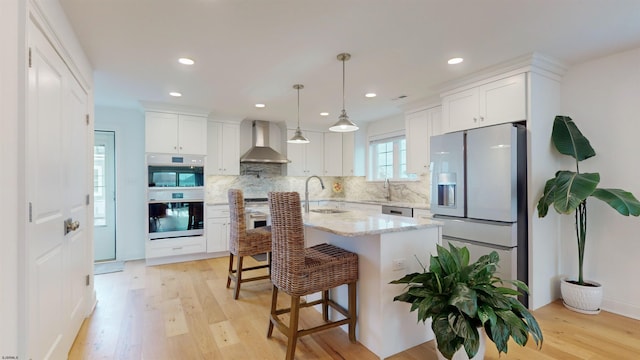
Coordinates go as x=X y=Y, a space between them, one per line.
x=358 y=223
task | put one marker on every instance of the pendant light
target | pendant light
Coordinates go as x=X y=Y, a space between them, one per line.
x=298 y=138
x=343 y=124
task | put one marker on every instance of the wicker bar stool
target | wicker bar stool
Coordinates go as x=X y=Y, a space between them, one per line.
x=300 y=271
x=243 y=242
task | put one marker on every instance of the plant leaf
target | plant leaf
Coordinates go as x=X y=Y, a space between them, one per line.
x=465 y=299
x=547 y=197
x=569 y=140
x=622 y=201
x=446 y=260
x=572 y=189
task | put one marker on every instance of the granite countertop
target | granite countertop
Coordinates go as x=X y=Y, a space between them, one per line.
x=354 y=223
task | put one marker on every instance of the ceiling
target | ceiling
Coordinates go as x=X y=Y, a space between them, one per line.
x=254 y=51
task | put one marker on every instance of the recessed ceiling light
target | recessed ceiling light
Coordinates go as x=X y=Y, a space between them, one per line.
x=324 y=114
x=370 y=95
x=186 y=61
x=260 y=105
x=175 y=94
x=454 y=61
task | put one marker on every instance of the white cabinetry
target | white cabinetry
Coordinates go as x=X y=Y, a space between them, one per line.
x=420 y=126
x=171 y=133
x=223 y=157
x=172 y=247
x=218 y=223
x=306 y=159
x=348 y=154
x=495 y=102
x=333 y=154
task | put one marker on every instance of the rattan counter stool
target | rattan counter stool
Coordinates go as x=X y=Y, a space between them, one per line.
x=300 y=271
x=243 y=242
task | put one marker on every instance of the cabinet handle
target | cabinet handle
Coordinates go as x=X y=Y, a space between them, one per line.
x=481 y=118
x=180 y=147
x=475 y=119
x=175 y=148
x=177 y=248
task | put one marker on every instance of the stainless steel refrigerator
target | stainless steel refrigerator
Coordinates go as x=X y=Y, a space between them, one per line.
x=479 y=192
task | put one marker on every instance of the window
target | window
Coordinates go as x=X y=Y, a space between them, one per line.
x=99 y=183
x=389 y=158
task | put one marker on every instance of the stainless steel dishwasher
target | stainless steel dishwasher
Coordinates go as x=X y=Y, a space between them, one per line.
x=397 y=210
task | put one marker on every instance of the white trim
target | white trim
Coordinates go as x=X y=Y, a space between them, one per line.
x=388 y=135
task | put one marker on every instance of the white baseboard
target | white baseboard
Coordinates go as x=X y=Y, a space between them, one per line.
x=621 y=308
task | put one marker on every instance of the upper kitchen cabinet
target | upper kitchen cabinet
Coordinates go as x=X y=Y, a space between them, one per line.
x=171 y=133
x=419 y=127
x=348 y=154
x=306 y=159
x=484 y=104
x=223 y=157
x=333 y=154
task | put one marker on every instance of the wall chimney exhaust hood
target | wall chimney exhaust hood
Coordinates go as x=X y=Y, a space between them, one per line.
x=260 y=152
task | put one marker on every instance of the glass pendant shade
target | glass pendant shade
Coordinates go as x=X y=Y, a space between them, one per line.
x=298 y=138
x=343 y=124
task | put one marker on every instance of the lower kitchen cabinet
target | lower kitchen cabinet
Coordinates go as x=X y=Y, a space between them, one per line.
x=176 y=246
x=217 y=228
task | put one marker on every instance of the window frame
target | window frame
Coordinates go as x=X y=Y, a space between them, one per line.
x=396 y=138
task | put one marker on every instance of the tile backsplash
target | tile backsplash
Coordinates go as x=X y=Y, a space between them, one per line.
x=257 y=182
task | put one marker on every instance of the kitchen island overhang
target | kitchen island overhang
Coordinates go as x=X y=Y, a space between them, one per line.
x=388 y=247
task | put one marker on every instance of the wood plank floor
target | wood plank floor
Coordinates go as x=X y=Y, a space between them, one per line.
x=184 y=311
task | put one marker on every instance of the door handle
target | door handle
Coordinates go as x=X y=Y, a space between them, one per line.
x=70 y=225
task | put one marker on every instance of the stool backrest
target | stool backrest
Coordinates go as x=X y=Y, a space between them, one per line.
x=287 y=239
x=238 y=224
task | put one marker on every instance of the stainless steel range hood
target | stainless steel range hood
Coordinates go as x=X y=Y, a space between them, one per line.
x=260 y=152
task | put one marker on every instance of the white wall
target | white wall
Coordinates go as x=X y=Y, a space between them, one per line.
x=602 y=97
x=128 y=125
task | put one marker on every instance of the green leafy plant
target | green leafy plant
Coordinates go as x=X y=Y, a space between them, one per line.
x=460 y=297
x=568 y=190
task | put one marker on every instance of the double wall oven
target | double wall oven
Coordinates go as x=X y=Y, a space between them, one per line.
x=175 y=196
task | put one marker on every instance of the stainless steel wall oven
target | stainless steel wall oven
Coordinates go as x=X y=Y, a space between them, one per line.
x=175 y=196
x=175 y=213
x=165 y=170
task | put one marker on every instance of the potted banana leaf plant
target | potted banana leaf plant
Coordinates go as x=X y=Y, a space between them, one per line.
x=567 y=193
x=466 y=300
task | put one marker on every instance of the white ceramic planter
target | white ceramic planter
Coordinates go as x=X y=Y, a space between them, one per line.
x=462 y=355
x=582 y=299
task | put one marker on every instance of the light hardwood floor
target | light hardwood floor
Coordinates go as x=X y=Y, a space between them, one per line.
x=184 y=311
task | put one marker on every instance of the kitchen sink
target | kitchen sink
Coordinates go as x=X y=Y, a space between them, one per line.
x=328 y=211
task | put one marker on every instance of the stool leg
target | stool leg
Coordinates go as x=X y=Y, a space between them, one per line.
x=274 y=301
x=352 y=312
x=325 y=305
x=230 y=270
x=293 y=327
x=238 y=278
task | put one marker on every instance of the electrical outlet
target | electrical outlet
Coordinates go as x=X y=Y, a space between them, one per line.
x=398 y=264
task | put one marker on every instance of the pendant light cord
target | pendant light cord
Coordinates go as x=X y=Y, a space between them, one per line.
x=298 y=108
x=343 y=84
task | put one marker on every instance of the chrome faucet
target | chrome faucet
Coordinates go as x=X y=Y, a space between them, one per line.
x=306 y=191
x=387 y=185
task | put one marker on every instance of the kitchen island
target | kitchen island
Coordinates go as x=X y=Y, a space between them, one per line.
x=388 y=247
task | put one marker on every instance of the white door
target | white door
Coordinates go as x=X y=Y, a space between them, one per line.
x=56 y=172
x=104 y=195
